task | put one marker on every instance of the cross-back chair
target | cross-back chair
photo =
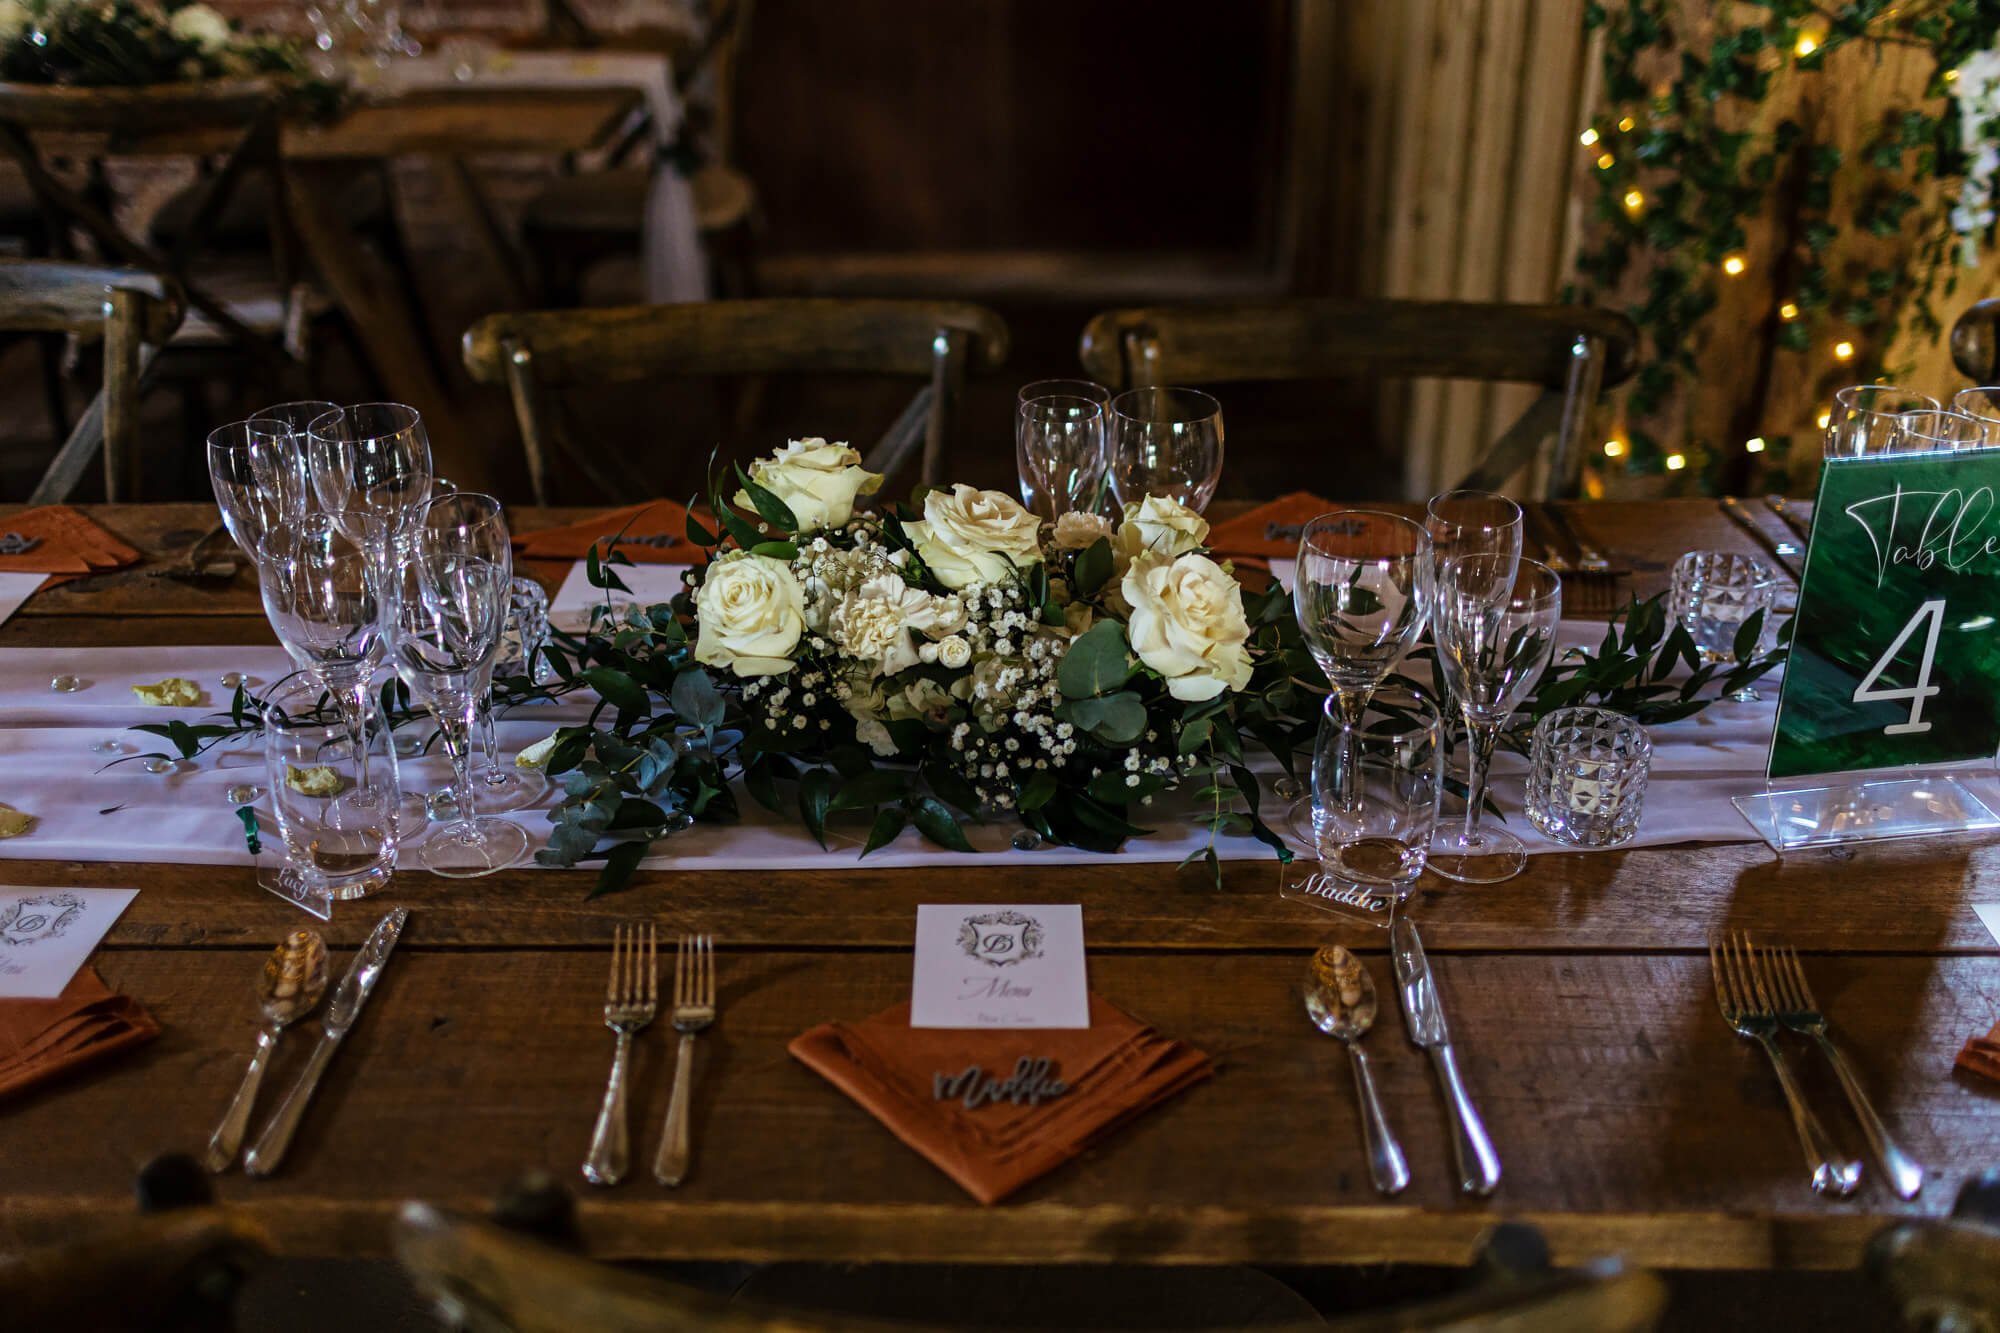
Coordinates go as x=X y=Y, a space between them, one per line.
x=132 y=315
x=1572 y=352
x=496 y=1279
x=539 y=354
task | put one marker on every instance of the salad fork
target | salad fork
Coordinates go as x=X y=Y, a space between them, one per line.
x=1797 y=1011
x=694 y=1009
x=630 y=1001
x=1744 y=996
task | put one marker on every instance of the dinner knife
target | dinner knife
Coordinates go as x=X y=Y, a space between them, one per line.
x=1423 y=1016
x=1788 y=553
x=341 y=1012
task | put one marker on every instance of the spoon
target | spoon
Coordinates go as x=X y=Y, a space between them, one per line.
x=1340 y=999
x=294 y=978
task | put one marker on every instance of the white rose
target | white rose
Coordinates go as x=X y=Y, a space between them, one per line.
x=954 y=652
x=1077 y=531
x=974 y=536
x=816 y=480
x=749 y=615
x=536 y=755
x=874 y=621
x=1162 y=526
x=1188 y=625
x=202 y=26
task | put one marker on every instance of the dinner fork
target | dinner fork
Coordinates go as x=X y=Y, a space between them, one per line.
x=694 y=1009
x=1743 y=995
x=630 y=1001
x=1797 y=1011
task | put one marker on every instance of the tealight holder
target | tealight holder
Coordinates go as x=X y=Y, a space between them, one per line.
x=1587 y=776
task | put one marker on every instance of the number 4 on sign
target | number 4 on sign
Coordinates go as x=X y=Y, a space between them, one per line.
x=1866 y=693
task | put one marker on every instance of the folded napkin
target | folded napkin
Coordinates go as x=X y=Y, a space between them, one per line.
x=1116 y=1069
x=65 y=543
x=1269 y=529
x=1982 y=1055
x=40 y=1039
x=655 y=533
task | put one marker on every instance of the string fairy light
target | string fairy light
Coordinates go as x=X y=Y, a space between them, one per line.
x=1754 y=445
x=1614 y=448
x=1605 y=161
x=1626 y=124
x=1734 y=265
x=1634 y=201
x=1789 y=311
x=1587 y=138
x=1843 y=350
x=1675 y=462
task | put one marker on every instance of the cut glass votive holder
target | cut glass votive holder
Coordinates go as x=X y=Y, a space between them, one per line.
x=1587 y=776
x=527 y=628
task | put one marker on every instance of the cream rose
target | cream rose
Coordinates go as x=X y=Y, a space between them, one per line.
x=1162 y=526
x=201 y=25
x=750 y=612
x=974 y=536
x=1188 y=624
x=873 y=622
x=816 y=480
x=1077 y=531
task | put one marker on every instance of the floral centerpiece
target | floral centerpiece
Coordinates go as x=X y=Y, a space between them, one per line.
x=947 y=658
x=126 y=43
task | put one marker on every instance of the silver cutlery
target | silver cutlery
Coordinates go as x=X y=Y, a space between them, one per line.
x=1589 y=560
x=1423 y=1015
x=694 y=1009
x=1786 y=552
x=1340 y=999
x=1789 y=516
x=631 y=998
x=1797 y=1011
x=289 y=988
x=345 y=1007
x=1745 y=1000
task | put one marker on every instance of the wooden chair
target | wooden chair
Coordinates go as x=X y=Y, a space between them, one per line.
x=1573 y=352
x=538 y=354
x=177 y=1266
x=133 y=314
x=1944 y=1273
x=497 y=1280
x=581 y=219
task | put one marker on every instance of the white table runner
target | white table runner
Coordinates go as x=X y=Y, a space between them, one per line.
x=87 y=811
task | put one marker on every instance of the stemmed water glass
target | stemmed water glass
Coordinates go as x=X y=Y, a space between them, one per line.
x=1466 y=522
x=1060 y=453
x=1165 y=442
x=258 y=472
x=447 y=611
x=1866 y=418
x=371 y=465
x=1495 y=633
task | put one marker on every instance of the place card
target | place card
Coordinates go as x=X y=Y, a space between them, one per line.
x=46 y=934
x=995 y=966
x=569 y=609
x=16 y=589
x=1989 y=916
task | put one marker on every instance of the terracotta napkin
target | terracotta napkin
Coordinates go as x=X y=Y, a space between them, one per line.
x=1116 y=1069
x=1982 y=1055
x=40 y=1039
x=655 y=533
x=1269 y=529
x=70 y=545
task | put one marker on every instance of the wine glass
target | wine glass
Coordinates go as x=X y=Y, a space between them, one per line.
x=1165 y=442
x=1496 y=632
x=298 y=416
x=447 y=611
x=1982 y=401
x=1466 y=522
x=370 y=464
x=1928 y=430
x=1864 y=419
x=503 y=786
x=1086 y=389
x=321 y=592
x=258 y=472
x=1059 y=449
x=1361 y=587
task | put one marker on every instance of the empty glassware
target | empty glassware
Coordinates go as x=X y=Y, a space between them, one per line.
x=1167 y=442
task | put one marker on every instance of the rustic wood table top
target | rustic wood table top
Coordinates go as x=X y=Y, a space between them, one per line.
x=1629 y=1119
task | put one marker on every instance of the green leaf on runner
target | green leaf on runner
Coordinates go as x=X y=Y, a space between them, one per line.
x=815 y=795
x=934 y=821
x=889 y=824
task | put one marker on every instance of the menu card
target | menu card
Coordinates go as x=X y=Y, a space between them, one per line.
x=995 y=966
x=46 y=934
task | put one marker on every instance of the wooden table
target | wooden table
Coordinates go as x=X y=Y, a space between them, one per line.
x=1628 y=1117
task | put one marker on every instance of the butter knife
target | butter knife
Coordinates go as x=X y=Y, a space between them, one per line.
x=1423 y=1016
x=341 y=1012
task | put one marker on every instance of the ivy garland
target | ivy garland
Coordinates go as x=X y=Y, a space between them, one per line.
x=1677 y=183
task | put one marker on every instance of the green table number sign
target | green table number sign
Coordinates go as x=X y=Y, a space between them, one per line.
x=1895 y=653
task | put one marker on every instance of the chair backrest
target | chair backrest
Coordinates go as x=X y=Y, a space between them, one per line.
x=536 y=352
x=494 y=1279
x=134 y=314
x=1944 y=1273
x=1572 y=352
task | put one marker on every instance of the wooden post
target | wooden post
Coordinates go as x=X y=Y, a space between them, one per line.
x=124 y=332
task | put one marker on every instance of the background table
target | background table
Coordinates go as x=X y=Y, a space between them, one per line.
x=1629 y=1119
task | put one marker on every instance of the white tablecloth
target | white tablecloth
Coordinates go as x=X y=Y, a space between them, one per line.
x=90 y=812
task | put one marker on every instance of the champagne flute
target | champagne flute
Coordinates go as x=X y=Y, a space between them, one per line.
x=446 y=616
x=1060 y=453
x=1165 y=442
x=1496 y=633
